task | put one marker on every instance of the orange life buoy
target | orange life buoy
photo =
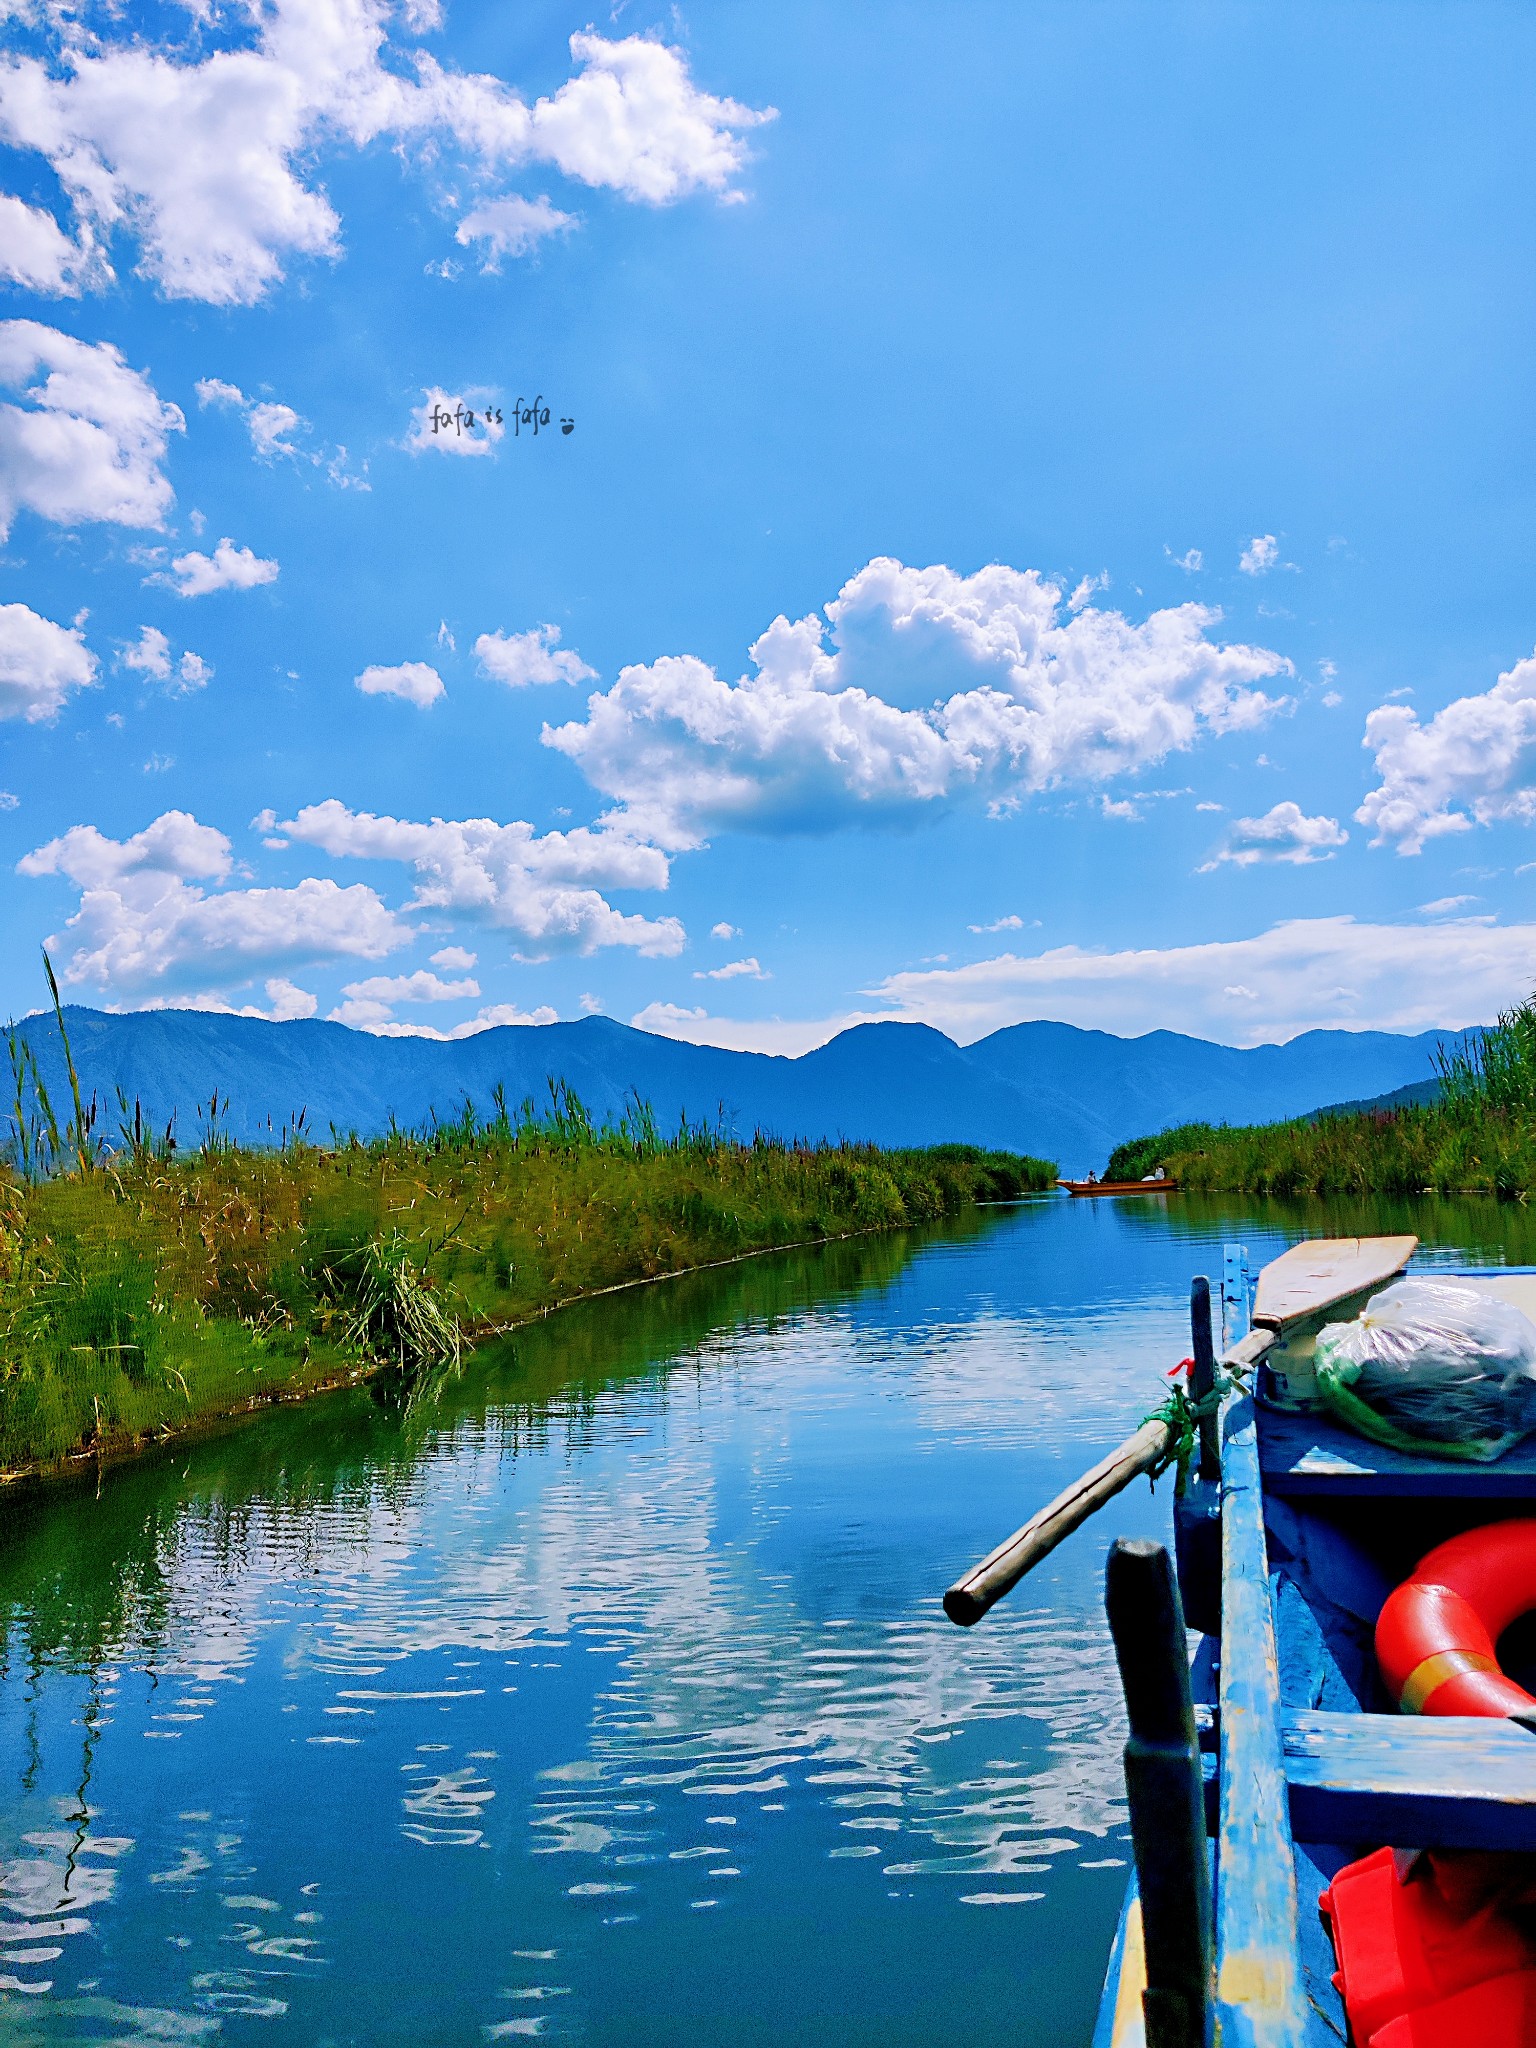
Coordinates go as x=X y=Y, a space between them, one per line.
x=1437 y=1636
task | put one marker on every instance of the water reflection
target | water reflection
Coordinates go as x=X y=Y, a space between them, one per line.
x=594 y=1698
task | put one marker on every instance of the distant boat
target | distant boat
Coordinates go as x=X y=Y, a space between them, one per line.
x=1154 y=1184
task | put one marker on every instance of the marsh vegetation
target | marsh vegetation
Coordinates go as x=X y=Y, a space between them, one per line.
x=146 y=1286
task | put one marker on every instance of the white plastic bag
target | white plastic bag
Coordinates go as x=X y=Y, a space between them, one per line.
x=1435 y=1368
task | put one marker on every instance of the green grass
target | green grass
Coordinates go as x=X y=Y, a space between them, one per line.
x=141 y=1291
x=1479 y=1137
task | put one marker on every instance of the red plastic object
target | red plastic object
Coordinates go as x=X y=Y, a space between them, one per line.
x=1436 y=1636
x=1500 y=2013
x=1402 y=1949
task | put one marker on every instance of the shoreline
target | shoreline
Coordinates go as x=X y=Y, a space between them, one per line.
x=122 y=1450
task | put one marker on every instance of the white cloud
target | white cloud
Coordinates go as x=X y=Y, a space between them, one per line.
x=227 y=568
x=518 y=659
x=204 y=158
x=1284 y=833
x=270 y=425
x=1475 y=761
x=1260 y=555
x=86 y=443
x=770 y=1034
x=1303 y=974
x=150 y=654
x=734 y=970
x=1445 y=906
x=455 y=959
x=1012 y=923
x=510 y=227
x=145 y=928
x=941 y=689
x=454 y=423
x=214 y=391
x=377 y=1020
x=725 y=931
x=371 y=1002
x=412 y=680
x=1191 y=562
x=40 y=663
x=546 y=888
x=9 y=800
x=36 y=253
x=589 y=1004
x=285 y=1002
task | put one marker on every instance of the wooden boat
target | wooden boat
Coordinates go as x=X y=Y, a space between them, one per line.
x=1260 y=1767
x=1157 y=1185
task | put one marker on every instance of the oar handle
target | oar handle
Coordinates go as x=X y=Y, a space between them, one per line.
x=969 y=1598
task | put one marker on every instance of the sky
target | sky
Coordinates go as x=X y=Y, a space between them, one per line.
x=749 y=520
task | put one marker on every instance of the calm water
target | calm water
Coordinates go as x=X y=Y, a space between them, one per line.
x=610 y=1700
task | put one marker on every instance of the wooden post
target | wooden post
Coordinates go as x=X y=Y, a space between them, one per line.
x=1163 y=1786
x=1202 y=1380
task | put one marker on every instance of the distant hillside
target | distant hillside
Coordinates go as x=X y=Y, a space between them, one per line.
x=1050 y=1089
x=1396 y=1098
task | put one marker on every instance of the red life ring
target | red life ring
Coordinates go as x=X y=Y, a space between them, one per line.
x=1437 y=1636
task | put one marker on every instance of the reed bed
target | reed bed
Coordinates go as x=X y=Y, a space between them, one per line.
x=144 y=1288
x=1478 y=1137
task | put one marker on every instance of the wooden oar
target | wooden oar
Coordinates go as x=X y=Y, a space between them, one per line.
x=1305 y=1281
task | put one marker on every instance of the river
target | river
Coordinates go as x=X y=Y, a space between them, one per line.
x=607 y=1698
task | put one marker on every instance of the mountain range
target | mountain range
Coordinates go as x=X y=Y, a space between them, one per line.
x=1055 y=1090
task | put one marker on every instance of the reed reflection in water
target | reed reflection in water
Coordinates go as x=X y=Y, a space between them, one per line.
x=608 y=1697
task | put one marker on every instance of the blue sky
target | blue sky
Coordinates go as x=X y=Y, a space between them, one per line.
x=1146 y=390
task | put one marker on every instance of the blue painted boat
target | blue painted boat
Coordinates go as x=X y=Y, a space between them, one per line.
x=1287 y=1545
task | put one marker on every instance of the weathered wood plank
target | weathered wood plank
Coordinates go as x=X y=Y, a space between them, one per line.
x=1312 y=1276
x=1258 y=1969
x=1120 y=2023
x=1307 y=1454
x=1449 y=1783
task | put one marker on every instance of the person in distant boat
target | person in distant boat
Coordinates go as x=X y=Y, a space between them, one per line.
x=1092 y=1177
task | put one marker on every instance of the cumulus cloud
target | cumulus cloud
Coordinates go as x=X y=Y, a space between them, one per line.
x=150 y=654
x=208 y=161
x=1303 y=974
x=509 y=227
x=454 y=423
x=40 y=664
x=544 y=887
x=1012 y=923
x=791 y=1037
x=371 y=1002
x=725 y=931
x=939 y=689
x=734 y=970
x=86 y=440
x=454 y=959
x=1474 y=762
x=412 y=680
x=145 y=927
x=1260 y=555
x=36 y=253
x=285 y=1003
x=518 y=659
x=227 y=568
x=1191 y=561
x=1284 y=833
x=491 y=1018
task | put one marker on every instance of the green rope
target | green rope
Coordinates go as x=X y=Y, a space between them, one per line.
x=1183 y=1418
